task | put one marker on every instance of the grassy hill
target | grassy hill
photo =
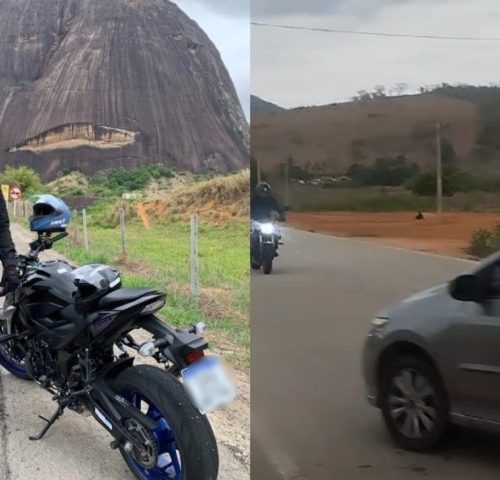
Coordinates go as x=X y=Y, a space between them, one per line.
x=329 y=139
x=259 y=105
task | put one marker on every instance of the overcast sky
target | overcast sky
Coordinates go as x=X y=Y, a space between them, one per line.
x=294 y=68
x=227 y=23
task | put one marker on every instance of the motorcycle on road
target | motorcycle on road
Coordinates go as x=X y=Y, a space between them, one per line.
x=71 y=330
x=265 y=238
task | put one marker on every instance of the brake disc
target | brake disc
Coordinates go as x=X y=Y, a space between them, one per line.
x=147 y=455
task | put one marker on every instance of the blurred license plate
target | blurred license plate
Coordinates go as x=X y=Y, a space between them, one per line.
x=208 y=384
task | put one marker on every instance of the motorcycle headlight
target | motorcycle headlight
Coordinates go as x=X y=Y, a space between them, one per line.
x=267 y=228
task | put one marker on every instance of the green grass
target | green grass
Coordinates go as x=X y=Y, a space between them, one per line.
x=304 y=198
x=160 y=257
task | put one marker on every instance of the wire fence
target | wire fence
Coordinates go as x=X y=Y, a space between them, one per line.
x=79 y=235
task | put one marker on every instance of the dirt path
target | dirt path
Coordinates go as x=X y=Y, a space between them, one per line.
x=447 y=235
x=92 y=458
x=143 y=215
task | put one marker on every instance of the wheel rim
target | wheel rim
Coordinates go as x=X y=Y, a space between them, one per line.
x=169 y=462
x=15 y=362
x=412 y=404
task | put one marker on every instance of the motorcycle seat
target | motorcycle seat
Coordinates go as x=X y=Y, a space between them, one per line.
x=124 y=295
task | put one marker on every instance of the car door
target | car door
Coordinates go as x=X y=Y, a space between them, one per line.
x=474 y=349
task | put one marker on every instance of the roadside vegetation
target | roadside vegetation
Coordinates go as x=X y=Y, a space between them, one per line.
x=484 y=242
x=158 y=241
x=388 y=184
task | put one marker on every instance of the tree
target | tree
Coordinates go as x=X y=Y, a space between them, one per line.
x=401 y=88
x=379 y=91
x=425 y=185
x=359 y=173
x=363 y=95
x=448 y=154
x=24 y=177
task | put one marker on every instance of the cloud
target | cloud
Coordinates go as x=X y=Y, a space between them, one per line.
x=229 y=29
x=222 y=7
x=295 y=68
x=305 y=8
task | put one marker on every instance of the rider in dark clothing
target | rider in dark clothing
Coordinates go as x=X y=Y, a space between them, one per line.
x=263 y=204
x=10 y=278
x=263 y=208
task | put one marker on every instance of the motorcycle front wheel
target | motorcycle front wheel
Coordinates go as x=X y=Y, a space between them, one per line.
x=183 y=445
x=268 y=257
x=12 y=355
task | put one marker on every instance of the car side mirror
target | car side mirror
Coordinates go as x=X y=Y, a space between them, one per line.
x=467 y=288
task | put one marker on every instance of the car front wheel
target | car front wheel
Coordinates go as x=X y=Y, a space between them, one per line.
x=414 y=403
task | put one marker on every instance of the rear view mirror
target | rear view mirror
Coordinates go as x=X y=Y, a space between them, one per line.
x=467 y=288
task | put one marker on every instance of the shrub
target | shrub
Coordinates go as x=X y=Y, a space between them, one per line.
x=118 y=181
x=385 y=171
x=484 y=242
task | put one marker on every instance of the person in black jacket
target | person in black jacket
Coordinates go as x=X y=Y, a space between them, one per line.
x=10 y=277
x=263 y=204
x=264 y=207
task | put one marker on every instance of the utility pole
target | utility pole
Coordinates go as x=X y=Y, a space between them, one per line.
x=439 y=171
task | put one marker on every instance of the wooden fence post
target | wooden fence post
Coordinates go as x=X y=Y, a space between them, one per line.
x=123 y=237
x=74 y=233
x=85 y=230
x=195 y=273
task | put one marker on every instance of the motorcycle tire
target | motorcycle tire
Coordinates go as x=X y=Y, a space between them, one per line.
x=194 y=438
x=267 y=267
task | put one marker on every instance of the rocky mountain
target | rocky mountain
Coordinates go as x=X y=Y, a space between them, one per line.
x=258 y=105
x=94 y=84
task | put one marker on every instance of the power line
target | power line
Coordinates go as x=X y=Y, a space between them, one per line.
x=376 y=34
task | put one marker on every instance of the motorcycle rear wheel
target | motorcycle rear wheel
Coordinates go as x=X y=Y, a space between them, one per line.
x=186 y=443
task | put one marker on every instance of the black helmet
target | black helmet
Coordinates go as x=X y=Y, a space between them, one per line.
x=263 y=189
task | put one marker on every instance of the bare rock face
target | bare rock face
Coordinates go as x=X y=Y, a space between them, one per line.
x=94 y=84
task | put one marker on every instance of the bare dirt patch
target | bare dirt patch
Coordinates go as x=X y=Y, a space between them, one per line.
x=448 y=235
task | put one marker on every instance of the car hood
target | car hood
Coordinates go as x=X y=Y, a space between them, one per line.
x=432 y=300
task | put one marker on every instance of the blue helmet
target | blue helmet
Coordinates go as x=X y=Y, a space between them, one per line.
x=50 y=214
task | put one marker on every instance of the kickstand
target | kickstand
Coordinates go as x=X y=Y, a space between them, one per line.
x=50 y=422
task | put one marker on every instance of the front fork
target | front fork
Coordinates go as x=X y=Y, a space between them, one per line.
x=7 y=316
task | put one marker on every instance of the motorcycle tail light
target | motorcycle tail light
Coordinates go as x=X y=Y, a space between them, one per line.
x=193 y=357
x=153 y=307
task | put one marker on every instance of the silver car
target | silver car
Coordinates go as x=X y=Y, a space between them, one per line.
x=434 y=359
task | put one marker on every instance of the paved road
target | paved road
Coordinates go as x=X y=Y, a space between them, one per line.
x=309 y=416
x=76 y=448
